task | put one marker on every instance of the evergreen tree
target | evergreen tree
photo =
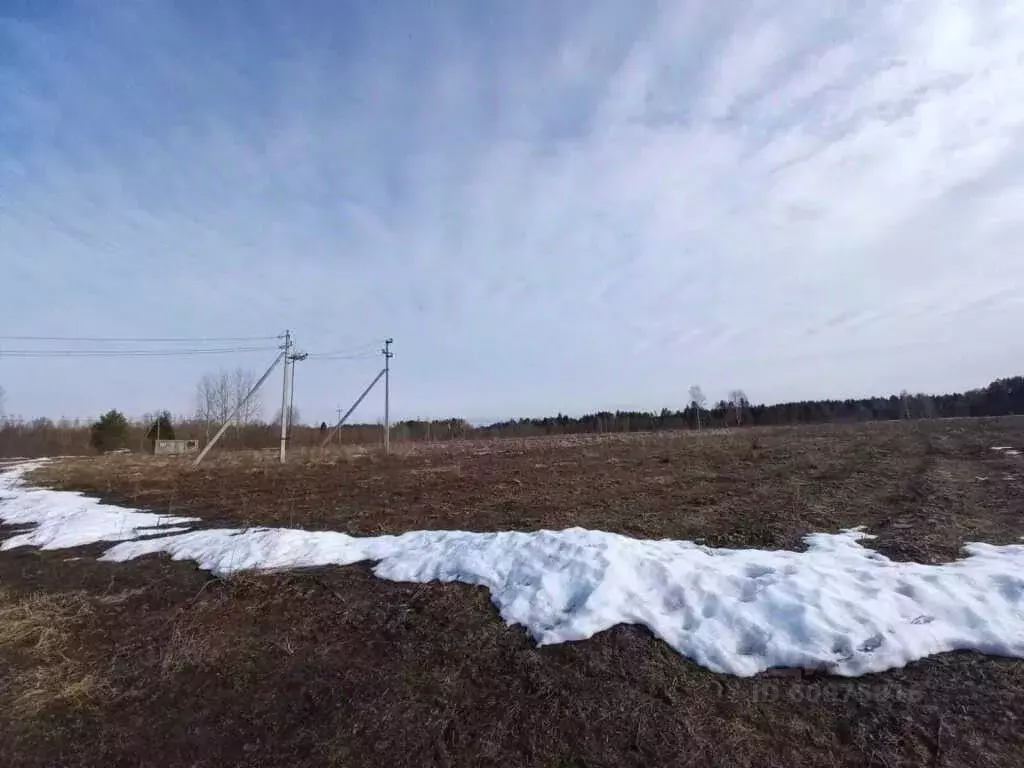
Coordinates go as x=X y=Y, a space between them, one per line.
x=109 y=433
x=161 y=429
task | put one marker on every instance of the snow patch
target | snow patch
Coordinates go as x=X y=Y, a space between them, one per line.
x=837 y=606
x=63 y=519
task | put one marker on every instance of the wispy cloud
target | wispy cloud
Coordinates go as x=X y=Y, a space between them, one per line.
x=590 y=205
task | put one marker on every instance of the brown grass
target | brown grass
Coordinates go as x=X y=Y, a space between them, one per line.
x=38 y=633
x=335 y=667
x=914 y=485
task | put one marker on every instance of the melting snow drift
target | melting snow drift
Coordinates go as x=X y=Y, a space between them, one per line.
x=836 y=606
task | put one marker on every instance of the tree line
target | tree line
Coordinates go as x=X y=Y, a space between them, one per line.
x=1002 y=397
x=114 y=431
x=217 y=396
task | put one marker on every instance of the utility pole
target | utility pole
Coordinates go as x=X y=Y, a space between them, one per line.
x=388 y=354
x=295 y=357
x=234 y=413
x=291 y=396
x=287 y=347
x=341 y=419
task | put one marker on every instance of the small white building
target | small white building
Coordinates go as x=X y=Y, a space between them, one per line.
x=175 y=447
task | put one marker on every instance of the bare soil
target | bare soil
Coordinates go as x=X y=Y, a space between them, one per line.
x=157 y=663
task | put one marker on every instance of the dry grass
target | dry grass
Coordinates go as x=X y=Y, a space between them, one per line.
x=335 y=667
x=38 y=635
x=914 y=485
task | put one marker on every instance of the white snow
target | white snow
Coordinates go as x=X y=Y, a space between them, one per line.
x=1007 y=449
x=837 y=606
x=62 y=519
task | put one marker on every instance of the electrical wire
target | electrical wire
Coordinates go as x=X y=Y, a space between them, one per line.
x=111 y=347
x=142 y=339
x=127 y=353
x=325 y=356
x=362 y=352
x=370 y=348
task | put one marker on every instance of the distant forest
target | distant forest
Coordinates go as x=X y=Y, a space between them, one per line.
x=1002 y=397
x=43 y=437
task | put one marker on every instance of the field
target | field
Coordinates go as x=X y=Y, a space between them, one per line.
x=157 y=663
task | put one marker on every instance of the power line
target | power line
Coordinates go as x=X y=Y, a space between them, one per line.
x=79 y=346
x=142 y=339
x=127 y=353
x=353 y=352
x=325 y=356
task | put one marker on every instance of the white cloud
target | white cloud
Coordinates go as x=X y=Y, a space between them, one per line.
x=546 y=211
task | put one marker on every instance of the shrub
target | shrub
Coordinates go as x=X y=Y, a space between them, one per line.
x=109 y=433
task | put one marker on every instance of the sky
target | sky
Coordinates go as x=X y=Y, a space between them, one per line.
x=549 y=206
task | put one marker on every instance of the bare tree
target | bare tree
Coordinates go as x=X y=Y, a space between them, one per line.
x=3 y=398
x=926 y=406
x=212 y=400
x=242 y=380
x=218 y=394
x=699 y=401
x=294 y=417
x=738 y=401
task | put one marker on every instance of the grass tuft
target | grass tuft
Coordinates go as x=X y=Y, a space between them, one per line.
x=38 y=632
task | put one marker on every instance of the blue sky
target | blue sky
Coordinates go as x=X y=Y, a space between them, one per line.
x=549 y=205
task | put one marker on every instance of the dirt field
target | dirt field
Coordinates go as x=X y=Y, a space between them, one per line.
x=156 y=663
